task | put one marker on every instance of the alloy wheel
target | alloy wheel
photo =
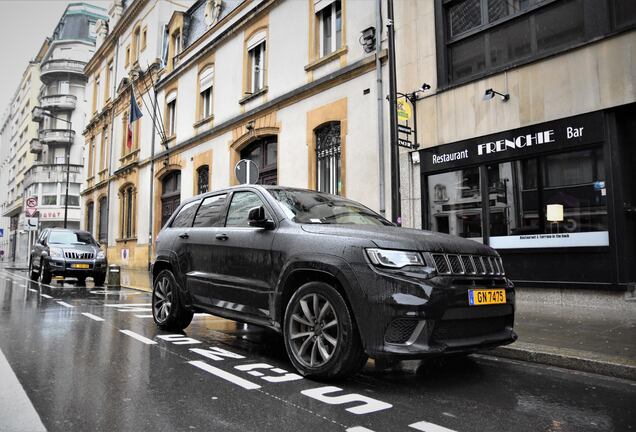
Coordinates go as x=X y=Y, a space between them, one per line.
x=162 y=299
x=313 y=330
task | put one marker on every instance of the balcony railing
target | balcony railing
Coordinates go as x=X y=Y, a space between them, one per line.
x=52 y=173
x=36 y=146
x=58 y=102
x=57 y=136
x=51 y=67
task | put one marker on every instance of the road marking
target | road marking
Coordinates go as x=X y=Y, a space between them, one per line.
x=144 y=316
x=429 y=427
x=248 y=385
x=33 y=290
x=368 y=405
x=178 y=339
x=93 y=317
x=46 y=296
x=64 y=304
x=358 y=429
x=139 y=337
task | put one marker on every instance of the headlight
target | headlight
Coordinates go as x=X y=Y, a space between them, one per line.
x=56 y=253
x=101 y=255
x=395 y=258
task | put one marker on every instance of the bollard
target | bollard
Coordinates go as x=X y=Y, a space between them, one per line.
x=114 y=277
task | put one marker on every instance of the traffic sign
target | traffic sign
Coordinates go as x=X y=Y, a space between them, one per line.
x=32 y=202
x=246 y=171
x=31 y=224
x=30 y=212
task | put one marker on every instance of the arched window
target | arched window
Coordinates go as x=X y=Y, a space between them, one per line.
x=328 y=166
x=90 y=213
x=170 y=195
x=128 y=211
x=103 y=220
x=203 y=179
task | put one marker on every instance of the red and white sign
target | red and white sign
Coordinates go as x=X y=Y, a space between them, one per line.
x=32 y=202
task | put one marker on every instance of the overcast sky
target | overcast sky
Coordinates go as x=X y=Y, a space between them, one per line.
x=25 y=25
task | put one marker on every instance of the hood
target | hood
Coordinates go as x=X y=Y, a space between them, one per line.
x=390 y=237
x=78 y=248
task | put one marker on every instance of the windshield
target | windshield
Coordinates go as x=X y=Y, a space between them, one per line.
x=69 y=237
x=310 y=207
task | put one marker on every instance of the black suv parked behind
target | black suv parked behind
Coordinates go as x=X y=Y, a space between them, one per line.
x=66 y=252
x=339 y=281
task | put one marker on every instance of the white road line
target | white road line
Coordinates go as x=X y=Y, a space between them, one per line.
x=358 y=429
x=64 y=304
x=429 y=427
x=118 y=305
x=139 y=337
x=33 y=290
x=93 y=317
x=225 y=375
x=143 y=316
x=46 y=296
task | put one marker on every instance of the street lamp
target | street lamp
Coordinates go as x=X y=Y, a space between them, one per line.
x=38 y=112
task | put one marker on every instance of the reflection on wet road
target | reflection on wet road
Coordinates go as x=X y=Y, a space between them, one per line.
x=92 y=359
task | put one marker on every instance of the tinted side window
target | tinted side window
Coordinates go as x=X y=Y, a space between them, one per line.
x=185 y=216
x=242 y=203
x=210 y=213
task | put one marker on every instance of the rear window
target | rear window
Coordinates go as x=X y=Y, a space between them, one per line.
x=210 y=213
x=185 y=215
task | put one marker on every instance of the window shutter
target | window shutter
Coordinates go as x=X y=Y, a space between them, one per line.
x=256 y=39
x=321 y=4
x=171 y=96
x=205 y=79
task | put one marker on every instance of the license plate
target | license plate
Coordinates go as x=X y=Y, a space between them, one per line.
x=478 y=297
x=80 y=266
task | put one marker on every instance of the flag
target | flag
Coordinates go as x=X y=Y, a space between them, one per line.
x=135 y=114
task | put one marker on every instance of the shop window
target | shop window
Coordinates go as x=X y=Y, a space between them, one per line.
x=203 y=179
x=328 y=162
x=523 y=194
x=210 y=214
x=484 y=36
x=456 y=206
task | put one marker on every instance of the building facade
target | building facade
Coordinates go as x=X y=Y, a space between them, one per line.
x=286 y=84
x=539 y=167
x=5 y=147
x=57 y=171
x=21 y=131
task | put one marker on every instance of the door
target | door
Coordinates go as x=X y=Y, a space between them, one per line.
x=170 y=195
x=263 y=153
x=177 y=235
x=208 y=223
x=242 y=259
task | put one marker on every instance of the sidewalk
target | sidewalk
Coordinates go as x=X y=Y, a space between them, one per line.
x=596 y=340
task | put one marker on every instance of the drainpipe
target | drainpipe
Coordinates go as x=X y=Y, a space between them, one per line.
x=379 y=92
x=110 y=140
x=152 y=177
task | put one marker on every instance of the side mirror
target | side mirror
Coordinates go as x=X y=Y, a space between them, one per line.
x=256 y=218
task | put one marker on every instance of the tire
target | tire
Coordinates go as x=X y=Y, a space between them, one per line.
x=45 y=275
x=167 y=308
x=321 y=336
x=99 y=280
x=33 y=275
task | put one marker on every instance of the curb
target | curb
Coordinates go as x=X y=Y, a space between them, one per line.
x=584 y=361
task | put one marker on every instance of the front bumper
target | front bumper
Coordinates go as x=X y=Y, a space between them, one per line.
x=72 y=267
x=410 y=317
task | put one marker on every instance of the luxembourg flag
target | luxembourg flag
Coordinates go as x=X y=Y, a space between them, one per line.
x=135 y=114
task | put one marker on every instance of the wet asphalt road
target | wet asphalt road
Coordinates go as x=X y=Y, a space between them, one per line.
x=93 y=360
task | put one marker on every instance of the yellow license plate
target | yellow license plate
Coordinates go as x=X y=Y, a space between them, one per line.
x=80 y=266
x=478 y=297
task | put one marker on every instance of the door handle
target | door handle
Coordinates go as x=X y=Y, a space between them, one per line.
x=222 y=237
x=184 y=235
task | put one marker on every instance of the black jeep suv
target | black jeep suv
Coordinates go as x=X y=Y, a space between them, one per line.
x=66 y=252
x=339 y=281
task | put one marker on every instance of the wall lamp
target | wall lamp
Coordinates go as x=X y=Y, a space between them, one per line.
x=490 y=93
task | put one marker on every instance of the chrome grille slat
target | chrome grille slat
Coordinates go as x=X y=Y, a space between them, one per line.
x=78 y=255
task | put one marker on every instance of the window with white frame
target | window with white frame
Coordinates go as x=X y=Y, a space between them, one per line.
x=256 y=58
x=171 y=113
x=176 y=46
x=49 y=194
x=73 y=194
x=329 y=13
x=206 y=78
